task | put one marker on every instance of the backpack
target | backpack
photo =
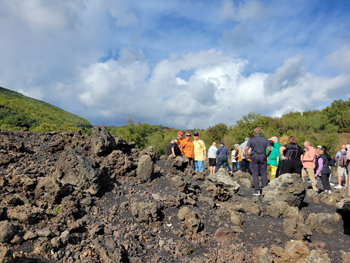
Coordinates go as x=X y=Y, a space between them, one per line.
x=291 y=151
x=342 y=159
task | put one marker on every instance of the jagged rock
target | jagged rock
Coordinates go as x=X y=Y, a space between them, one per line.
x=79 y=170
x=236 y=219
x=109 y=250
x=280 y=255
x=278 y=208
x=262 y=255
x=180 y=163
x=223 y=179
x=22 y=182
x=102 y=141
x=25 y=213
x=148 y=213
x=345 y=257
x=5 y=159
x=124 y=146
x=295 y=229
x=148 y=151
x=145 y=169
x=297 y=250
x=117 y=163
x=191 y=220
x=224 y=235
x=317 y=257
x=243 y=179
x=49 y=190
x=320 y=222
x=6 y=255
x=7 y=231
x=288 y=188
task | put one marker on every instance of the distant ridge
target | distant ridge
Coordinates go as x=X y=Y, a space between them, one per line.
x=19 y=112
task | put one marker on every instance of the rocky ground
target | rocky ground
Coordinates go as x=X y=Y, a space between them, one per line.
x=65 y=197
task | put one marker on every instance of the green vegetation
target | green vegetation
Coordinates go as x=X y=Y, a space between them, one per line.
x=19 y=112
x=318 y=127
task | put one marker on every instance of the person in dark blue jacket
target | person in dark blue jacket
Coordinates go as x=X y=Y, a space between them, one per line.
x=222 y=154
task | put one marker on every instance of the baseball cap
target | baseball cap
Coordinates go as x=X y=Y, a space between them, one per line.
x=273 y=138
x=195 y=134
x=179 y=133
x=319 y=146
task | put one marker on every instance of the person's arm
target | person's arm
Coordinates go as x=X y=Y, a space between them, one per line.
x=278 y=160
x=281 y=152
x=205 y=154
x=320 y=166
x=173 y=151
x=268 y=150
x=246 y=153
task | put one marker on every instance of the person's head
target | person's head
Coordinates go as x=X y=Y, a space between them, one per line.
x=292 y=140
x=319 y=152
x=307 y=144
x=247 y=138
x=324 y=149
x=271 y=142
x=179 y=135
x=214 y=144
x=175 y=140
x=188 y=136
x=257 y=131
x=196 y=135
x=236 y=146
x=222 y=143
x=274 y=139
x=343 y=147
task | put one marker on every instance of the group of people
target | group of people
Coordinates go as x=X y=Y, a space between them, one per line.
x=195 y=150
x=262 y=157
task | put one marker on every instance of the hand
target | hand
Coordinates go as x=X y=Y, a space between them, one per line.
x=284 y=158
x=249 y=160
x=205 y=158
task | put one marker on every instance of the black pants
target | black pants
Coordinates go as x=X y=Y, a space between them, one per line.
x=258 y=167
x=291 y=167
x=325 y=181
x=245 y=166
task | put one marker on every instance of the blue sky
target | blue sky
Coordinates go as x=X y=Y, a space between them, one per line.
x=196 y=63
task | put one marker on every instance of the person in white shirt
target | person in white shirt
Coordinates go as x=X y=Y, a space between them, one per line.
x=212 y=157
x=233 y=159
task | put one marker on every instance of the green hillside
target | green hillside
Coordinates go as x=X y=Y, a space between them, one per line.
x=19 y=112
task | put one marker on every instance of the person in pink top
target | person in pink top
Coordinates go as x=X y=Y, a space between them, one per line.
x=308 y=160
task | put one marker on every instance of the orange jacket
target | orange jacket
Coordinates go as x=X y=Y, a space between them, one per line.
x=187 y=148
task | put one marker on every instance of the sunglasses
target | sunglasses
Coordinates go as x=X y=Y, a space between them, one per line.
x=188 y=135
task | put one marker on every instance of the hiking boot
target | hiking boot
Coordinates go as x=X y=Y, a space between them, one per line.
x=256 y=192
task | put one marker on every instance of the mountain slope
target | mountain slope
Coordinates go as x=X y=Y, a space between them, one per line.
x=21 y=112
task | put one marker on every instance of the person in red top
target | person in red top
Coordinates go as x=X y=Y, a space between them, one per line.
x=308 y=160
x=188 y=148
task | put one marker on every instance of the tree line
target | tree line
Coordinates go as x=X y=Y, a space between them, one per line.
x=320 y=127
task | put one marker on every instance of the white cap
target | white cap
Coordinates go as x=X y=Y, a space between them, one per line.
x=273 y=138
x=319 y=146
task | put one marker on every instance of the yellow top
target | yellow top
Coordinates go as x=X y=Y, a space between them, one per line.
x=199 y=147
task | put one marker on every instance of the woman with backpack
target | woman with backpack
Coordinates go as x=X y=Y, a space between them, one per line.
x=323 y=170
x=290 y=154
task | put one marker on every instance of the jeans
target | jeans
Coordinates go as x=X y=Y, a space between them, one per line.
x=199 y=165
x=245 y=166
x=234 y=167
x=222 y=160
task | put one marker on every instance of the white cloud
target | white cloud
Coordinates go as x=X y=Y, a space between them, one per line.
x=249 y=9
x=341 y=59
x=286 y=76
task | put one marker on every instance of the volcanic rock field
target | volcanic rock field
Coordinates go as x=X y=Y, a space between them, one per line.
x=67 y=197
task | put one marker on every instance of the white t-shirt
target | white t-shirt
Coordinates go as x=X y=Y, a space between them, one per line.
x=212 y=152
x=233 y=154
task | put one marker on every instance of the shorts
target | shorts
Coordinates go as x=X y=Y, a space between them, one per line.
x=212 y=161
